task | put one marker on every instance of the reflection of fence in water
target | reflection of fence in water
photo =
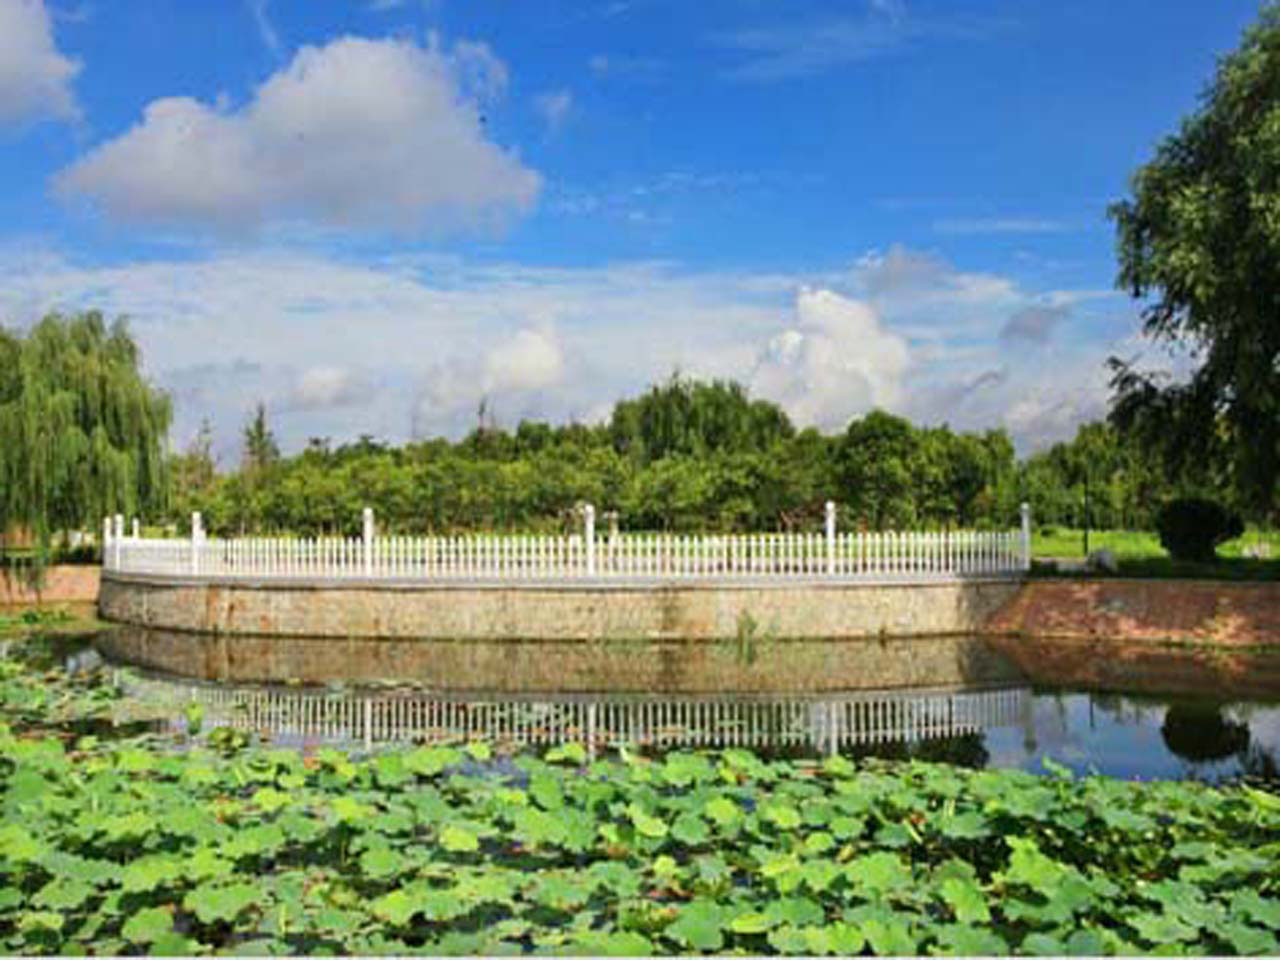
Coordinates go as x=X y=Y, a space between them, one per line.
x=828 y=723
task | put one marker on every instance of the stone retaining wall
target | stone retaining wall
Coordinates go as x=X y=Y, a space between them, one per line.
x=578 y=612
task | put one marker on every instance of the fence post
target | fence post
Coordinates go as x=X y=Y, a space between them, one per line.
x=197 y=534
x=106 y=543
x=612 y=517
x=137 y=529
x=1025 y=510
x=589 y=533
x=831 y=537
x=368 y=541
x=117 y=536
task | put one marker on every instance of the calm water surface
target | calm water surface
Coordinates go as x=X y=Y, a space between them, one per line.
x=1140 y=713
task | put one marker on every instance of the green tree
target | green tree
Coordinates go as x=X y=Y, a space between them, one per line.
x=1199 y=244
x=878 y=457
x=193 y=473
x=693 y=418
x=259 y=458
x=81 y=430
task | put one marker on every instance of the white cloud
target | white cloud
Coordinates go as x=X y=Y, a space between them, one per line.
x=981 y=225
x=800 y=48
x=356 y=134
x=838 y=361
x=531 y=360
x=637 y=68
x=410 y=344
x=905 y=277
x=1035 y=323
x=266 y=30
x=35 y=78
x=554 y=108
x=326 y=386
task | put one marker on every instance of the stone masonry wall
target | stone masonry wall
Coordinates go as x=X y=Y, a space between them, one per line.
x=581 y=612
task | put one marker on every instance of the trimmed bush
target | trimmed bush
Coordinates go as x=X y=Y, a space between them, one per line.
x=1191 y=528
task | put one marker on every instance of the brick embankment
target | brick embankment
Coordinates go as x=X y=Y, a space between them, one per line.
x=1198 y=611
x=62 y=584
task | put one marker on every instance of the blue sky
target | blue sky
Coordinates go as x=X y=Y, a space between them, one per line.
x=373 y=215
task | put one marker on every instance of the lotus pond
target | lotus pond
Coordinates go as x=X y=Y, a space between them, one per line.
x=117 y=838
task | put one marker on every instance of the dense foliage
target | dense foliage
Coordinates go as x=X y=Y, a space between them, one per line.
x=1191 y=528
x=686 y=456
x=81 y=432
x=440 y=849
x=1199 y=244
x=114 y=842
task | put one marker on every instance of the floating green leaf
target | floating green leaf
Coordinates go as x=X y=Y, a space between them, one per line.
x=690 y=829
x=752 y=922
x=147 y=925
x=214 y=902
x=459 y=839
x=698 y=926
x=955 y=939
x=782 y=815
x=966 y=901
x=573 y=753
x=646 y=824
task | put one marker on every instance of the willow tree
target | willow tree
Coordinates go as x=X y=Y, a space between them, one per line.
x=1199 y=246
x=81 y=431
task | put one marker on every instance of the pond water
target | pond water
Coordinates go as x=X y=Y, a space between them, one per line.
x=1134 y=712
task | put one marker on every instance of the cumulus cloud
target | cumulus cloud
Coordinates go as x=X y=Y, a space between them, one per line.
x=554 y=107
x=838 y=360
x=531 y=360
x=408 y=345
x=35 y=78
x=323 y=386
x=380 y=134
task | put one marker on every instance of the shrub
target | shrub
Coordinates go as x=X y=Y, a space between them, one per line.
x=1192 y=527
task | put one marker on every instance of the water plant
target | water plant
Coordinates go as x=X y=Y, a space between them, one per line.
x=132 y=845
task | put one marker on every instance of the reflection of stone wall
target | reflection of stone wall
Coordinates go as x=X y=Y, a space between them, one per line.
x=1137 y=666
x=692 y=612
x=782 y=666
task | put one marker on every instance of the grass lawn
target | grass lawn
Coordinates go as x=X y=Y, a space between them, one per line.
x=1141 y=555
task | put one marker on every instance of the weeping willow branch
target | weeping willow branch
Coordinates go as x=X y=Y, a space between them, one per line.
x=81 y=431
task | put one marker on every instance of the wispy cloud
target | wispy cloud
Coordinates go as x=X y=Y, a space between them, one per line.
x=980 y=225
x=266 y=29
x=782 y=51
x=1034 y=324
x=623 y=66
x=554 y=107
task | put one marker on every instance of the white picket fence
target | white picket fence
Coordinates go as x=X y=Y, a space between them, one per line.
x=630 y=556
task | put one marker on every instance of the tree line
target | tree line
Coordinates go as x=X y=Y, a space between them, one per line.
x=686 y=456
